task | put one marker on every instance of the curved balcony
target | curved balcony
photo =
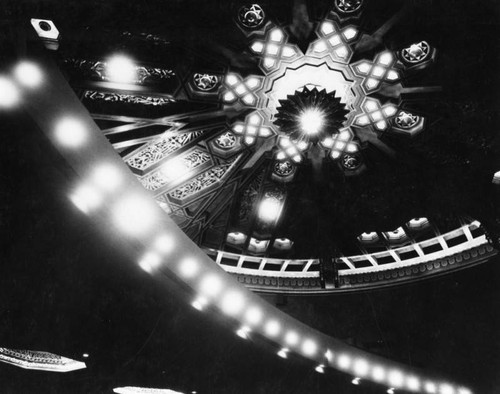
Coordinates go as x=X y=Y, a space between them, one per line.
x=463 y=247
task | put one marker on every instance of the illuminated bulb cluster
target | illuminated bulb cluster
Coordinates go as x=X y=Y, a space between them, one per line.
x=291 y=150
x=340 y=143
x=237 y=89
x=375 y=114
x=334 y=42
x=252 y=128
x=381 y=70
x=89 y=195
x=274 y=49
x=27 y=75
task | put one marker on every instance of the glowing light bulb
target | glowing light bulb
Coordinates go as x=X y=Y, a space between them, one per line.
x=28 y=74
x=309 y=347
x=211 y=285
x=430 y=387
x=272 y=328
x=86 y=198
x=361 y=367
x=269 y=209
x=149 y=262
x=283 y=353
x=70 y=132
x=413 y=383
x=291 y=338
x=396 y=378
x=9 y=93
x=254 y=315
x=173 y=169
x=134 y=215
x=446 y=389
x=121 y=69
x=164 y=243
x=378 y=373
x=107 y=176
x=356 y=381
x=232 y=303
x=344 y=361
x=188 y=267
x=311 y=121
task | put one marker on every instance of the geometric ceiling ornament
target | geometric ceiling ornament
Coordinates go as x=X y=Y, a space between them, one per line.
x=274 y=50
x=251 y=16
x=42 y=361
x=348 y=6
x=407 y=123
x=375 y=73
x=311 y=115
x=334 y=41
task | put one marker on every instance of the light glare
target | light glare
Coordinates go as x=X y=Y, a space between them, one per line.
x=121 y=69
x=164 y=243
x=311 y=121
x=134 y=215
x=309 y=347
x=361 y=367
x=269 y=209
x=150 y=262
x=344 y=361
x=232 y=303
x=272 y=328
x=254 y=315
x=211 y=285
x=292 y=338
x=107 y=176
x=70 y=132
x=188 y=267
x=28 y=74
x=9 y=93
x=86 y=198
x=396 y=378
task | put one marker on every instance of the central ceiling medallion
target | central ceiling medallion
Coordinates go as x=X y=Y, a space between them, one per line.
x=311 y=115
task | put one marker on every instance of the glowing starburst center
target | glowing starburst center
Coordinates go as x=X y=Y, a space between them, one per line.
x=311 y=121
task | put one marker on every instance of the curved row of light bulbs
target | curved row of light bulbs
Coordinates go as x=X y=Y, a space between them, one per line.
x=111 y=196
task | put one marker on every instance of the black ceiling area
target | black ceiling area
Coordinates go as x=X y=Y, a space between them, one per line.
x=338 y=160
